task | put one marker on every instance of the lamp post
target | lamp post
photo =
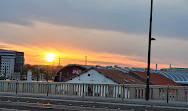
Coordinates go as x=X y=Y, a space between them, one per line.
x=86 y=59
x=149 y=53
x=60 y=61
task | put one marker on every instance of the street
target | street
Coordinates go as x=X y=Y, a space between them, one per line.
x=37 y=104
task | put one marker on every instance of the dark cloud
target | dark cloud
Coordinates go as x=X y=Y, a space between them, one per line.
x=122 y=15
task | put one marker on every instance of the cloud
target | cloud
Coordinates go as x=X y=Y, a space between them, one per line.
x=103 y=46
x=128 y=16
x=65 y=36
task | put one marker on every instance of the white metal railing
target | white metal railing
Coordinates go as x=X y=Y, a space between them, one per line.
x=170 y=93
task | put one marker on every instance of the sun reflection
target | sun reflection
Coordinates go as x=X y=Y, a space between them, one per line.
x=50 y=57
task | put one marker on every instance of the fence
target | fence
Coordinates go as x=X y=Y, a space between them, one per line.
x=171 y=93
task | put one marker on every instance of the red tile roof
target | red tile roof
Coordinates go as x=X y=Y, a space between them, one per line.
x=158 y=79
x=120 y=77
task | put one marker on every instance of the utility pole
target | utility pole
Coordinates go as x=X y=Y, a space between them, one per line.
x=86 y=59
x=60 y=61
x=149 y=53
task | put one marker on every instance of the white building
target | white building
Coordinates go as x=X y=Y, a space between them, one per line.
x=7 y=65
x=7 y=59
x=11 y=63
x=91 y=76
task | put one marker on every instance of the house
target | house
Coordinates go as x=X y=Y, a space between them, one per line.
x=102 y=79
x=75 y=73
x=92 y=75
x=103 y=76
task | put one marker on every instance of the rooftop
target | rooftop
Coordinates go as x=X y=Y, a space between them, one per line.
x=120 y=77
x=158 y=79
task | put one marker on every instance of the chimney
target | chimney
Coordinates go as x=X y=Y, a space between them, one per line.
x=156 y=66
x=170 y=66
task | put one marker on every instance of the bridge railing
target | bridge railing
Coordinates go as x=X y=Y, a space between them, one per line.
x=170 y=93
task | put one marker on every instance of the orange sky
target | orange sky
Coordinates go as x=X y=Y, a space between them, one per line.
x=71 y=44
x=35 y=55
x=110 y=33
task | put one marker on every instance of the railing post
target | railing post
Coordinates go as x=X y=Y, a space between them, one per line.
x=167 y=94
x=123 y=93
x=36 y=87
x=110 y=91
x=47 y=88
x=71 y=89
x=5 y=86
x=132 y=92
x=175 y=95
x=53 y=88
x=20 y=87
x=83 y=91
x=16 y=86
x=144 y=92
x=181 y=94
x=156 y=93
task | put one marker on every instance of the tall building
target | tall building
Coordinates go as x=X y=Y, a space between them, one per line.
x=19 y=61
x=11 y=63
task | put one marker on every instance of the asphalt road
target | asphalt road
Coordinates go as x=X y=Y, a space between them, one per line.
x=40 y=104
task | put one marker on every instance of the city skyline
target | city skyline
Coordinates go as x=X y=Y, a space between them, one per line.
x=109 y=32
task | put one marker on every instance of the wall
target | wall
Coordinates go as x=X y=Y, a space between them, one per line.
x=173 y=93
x=94 y=78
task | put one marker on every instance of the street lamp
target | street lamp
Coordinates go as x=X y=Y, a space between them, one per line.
x=149 y=53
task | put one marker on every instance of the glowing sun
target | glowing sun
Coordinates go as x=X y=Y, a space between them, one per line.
x=50 y=57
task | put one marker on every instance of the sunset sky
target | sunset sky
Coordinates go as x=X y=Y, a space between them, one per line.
x=110 y=32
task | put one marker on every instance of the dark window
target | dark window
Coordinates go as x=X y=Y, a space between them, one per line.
x=88 y=74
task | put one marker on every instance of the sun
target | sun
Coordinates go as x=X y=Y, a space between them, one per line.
x=50 y=57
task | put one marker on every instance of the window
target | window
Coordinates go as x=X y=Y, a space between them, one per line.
x=132 y=80
x=126 y=80
x=88 y=74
